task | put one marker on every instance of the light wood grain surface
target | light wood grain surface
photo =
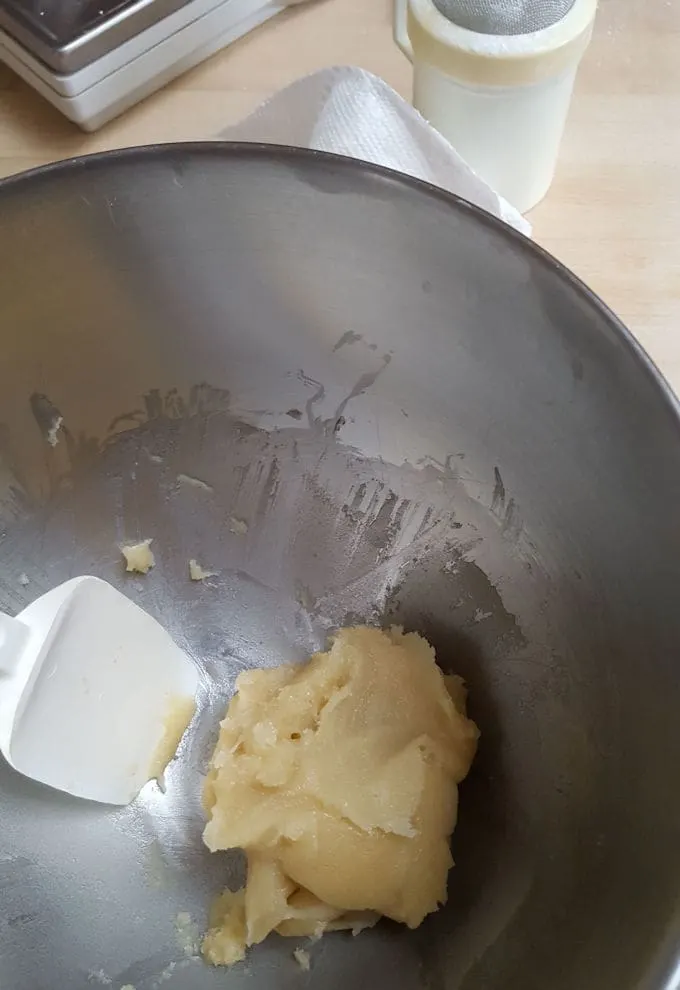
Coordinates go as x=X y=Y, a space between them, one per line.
x=612 y=215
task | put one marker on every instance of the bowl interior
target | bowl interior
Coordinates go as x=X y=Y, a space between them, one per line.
x=357 y=400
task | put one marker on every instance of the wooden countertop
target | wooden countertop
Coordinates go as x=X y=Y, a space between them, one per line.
x=612 y=215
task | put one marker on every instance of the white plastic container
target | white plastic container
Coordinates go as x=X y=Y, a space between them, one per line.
x=500 y=100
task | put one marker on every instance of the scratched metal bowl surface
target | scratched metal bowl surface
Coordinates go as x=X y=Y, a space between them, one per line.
x=397 y=409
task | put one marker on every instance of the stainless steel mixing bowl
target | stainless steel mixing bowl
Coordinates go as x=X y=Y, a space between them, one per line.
x=398 y=410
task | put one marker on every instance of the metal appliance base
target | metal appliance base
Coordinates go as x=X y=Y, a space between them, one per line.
x=106 y=87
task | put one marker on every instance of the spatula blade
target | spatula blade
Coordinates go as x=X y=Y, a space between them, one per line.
x=107 y=701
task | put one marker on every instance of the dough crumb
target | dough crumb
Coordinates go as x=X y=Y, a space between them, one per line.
x=99 y=976
x=24 y=580
x=187 y=479
x=238 y=526
x=165 y=975
x=197 y=573
x=225 y=943
x=302 y=959
x=339 y=780
x=53 y=431
x=138 y=557
x=186 y=933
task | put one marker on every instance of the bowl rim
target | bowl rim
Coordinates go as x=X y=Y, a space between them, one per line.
x=288 y=154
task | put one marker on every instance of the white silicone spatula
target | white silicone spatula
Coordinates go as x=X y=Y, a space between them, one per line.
x=94 y=693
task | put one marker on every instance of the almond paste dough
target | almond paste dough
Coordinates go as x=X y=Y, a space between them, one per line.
x=339 y=779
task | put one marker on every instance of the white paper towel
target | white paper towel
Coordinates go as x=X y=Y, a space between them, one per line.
x=351 y=112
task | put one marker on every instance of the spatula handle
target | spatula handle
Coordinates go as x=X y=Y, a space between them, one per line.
x=13 y=636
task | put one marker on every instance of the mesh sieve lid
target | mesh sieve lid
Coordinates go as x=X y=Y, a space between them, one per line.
x=504 y=17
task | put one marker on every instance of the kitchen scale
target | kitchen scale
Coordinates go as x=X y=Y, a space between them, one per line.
x=92 y=59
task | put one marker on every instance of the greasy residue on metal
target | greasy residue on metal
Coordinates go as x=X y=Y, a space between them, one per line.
x=307 y=534
x=320 y=516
